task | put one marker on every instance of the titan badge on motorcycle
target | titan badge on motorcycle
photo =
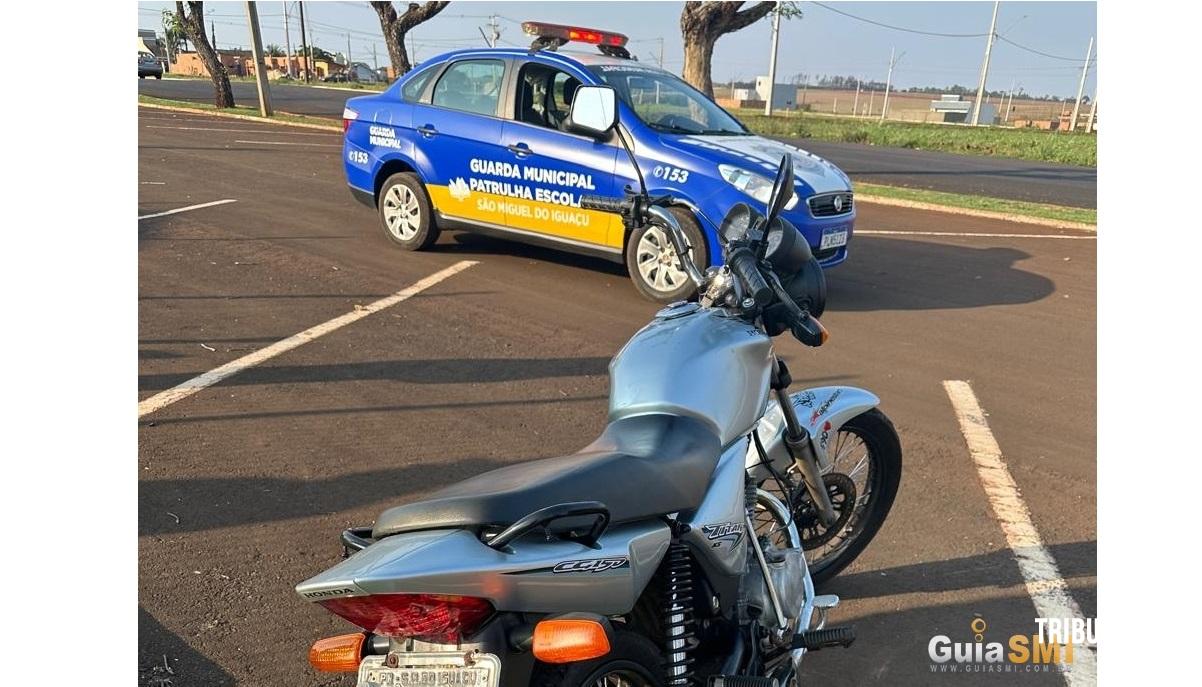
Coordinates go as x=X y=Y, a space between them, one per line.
x=684 y=544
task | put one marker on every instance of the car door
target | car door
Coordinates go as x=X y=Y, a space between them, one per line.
x=457 y=134
x=556 y=167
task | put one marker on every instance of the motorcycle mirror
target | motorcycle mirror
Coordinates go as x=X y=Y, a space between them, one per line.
x=594 y=111
x=782 y=188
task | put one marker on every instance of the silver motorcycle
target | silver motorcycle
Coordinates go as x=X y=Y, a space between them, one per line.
x=682 y=546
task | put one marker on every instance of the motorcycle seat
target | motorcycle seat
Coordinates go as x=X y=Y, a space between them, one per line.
x=640 y=467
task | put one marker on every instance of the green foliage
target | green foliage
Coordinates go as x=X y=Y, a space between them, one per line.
x=1026 y=144
x=959 y=200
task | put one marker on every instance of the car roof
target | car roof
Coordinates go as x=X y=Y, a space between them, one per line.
x=587 y=59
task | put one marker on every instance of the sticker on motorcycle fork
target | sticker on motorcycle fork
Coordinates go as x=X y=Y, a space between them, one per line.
x=430 y=669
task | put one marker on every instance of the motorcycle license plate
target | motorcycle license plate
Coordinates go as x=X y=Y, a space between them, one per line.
x=833 y=238
x=431 y=670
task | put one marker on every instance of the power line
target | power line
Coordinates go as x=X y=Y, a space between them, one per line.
x=1039 y=52
x=901 y=28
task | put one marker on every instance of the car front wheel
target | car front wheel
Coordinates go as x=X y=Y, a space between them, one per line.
x=653 y=265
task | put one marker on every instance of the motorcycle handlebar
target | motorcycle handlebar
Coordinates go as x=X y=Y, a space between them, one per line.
x=617 y=206
x=744 y=266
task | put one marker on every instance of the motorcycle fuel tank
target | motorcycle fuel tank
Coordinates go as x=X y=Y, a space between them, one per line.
x=696 y=362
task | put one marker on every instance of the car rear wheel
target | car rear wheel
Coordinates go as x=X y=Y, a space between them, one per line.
x=405 y=213
x=652 y=263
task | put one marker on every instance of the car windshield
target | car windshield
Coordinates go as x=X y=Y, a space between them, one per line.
x=666 y=103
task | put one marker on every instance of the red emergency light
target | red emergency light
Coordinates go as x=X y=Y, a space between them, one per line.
x=573 y=33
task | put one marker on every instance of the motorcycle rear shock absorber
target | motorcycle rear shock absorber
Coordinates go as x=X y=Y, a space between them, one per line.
x=678 y=616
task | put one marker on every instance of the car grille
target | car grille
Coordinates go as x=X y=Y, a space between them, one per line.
x=831 y=204
x=828 y=253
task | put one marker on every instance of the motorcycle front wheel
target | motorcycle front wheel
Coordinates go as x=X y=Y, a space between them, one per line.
x=862 y=479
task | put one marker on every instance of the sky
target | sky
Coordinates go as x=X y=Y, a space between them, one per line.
x=822 y=41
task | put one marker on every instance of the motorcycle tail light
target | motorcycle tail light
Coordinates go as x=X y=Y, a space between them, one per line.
x=435 y=618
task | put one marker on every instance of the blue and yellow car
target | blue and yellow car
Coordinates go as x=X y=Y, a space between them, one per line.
x=476 y=140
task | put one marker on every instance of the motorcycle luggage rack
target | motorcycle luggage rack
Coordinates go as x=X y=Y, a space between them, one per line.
x=545 y=516
x=355 y=539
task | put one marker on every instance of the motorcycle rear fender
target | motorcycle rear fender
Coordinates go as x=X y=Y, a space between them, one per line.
x=822 y=410
x=539 y=576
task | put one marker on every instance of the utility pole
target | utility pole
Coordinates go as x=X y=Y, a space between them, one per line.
x=375 y=64
x=976 y=107
x=772 y=60
x=256 y=47
x=1081 y=86
x=889 y=81
x=349 y=60
x=213 y=33
x=871 y=97
x=1009 y=102
x=287 y=43
x=311 y=48
x=1093 y=111
x=304 y=46
x=855 y=107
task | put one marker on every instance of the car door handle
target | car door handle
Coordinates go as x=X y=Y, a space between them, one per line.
x=427 y=130
x=519 y=149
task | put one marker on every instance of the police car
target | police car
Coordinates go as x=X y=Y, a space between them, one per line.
x=479 y=140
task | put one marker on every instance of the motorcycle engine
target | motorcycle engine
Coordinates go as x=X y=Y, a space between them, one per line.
x=786 y=567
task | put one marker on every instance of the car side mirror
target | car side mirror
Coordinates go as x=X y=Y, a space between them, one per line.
x=594 y=111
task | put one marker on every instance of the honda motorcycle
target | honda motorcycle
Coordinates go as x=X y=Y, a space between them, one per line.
x=682 y=546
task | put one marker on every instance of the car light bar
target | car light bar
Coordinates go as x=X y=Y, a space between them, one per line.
x=573 y=33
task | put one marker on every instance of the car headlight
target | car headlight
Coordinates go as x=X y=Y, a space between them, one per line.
x=754 y=185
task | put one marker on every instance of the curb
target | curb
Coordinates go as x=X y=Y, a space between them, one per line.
x=249 y=118
x=984 y=214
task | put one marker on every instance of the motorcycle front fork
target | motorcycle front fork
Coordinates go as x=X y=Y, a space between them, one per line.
x=800 y=447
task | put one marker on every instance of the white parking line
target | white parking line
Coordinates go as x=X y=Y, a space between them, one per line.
x=182 y=391
x=284 y=143
x=272 y=132
x=190 y=207
x=1044 y=584
x=881 y=232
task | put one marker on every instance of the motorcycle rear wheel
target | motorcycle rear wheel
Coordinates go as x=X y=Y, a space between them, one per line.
x=632 y=661
x=866 y=445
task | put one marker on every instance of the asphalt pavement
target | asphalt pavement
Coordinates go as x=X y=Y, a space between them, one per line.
x=993 y=176
x=245 y=485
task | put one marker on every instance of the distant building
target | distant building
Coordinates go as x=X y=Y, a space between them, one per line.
x=952 y=108
x=241 y=63
x=784 y=96
x=149 y=42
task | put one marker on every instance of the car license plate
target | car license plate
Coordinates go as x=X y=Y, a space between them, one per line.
x=458 y=669
x=833 y=238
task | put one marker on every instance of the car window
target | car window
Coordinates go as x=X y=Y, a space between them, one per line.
x=666 y=103
x=544 y=95
x=471 y=86
x=414 y=87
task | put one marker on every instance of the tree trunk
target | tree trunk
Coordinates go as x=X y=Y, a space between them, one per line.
x=698 y=54
x=703 y=23
x=193 y=24
x=395 y=27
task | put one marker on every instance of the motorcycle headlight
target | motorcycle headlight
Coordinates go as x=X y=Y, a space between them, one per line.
x=754 y=185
